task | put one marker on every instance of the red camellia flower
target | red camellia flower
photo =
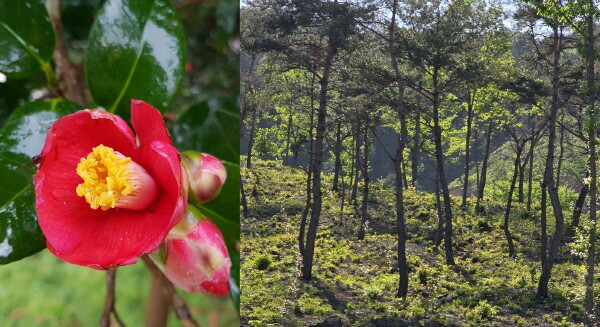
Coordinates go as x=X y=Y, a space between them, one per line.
x=104 y=195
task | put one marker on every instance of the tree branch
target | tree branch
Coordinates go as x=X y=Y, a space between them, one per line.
x=179 y=304
x=70 y=83
x=109 y=304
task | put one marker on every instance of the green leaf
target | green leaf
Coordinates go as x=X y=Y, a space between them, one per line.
x=136 y=51
x=211 y=127
x=26 y=37
x=21 y=138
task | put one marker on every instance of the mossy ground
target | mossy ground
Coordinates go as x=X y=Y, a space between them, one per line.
x=358 y=280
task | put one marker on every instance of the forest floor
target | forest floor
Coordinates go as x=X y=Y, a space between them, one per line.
x=355 y=282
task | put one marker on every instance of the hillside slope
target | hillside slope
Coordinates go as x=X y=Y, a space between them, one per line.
x=355 y=282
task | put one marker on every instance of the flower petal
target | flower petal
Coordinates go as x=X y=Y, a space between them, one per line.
x=148 y=123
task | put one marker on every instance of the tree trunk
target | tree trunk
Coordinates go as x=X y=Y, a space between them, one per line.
x=439 y=157
x=578 y=207
x=337 y=153
x=521 y=191
x=400 y=173
x=243 y=199
x=415 y=150
x=530 y=177
x=544 y=226
x=560 y=155
x=309 y=169
x=287 y=138
x=505 y=226
x=366 y=179
x=589 y=279
x=484 y=165
x=555 y=243
x=467 y=148
x=356 y=165
x=440 y=213
x=307 y=259
x=251 y=138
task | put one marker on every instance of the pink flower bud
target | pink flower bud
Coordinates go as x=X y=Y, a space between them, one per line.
x=206 y=175
x=194 y=256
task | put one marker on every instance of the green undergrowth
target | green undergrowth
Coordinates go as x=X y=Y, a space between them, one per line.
x=42 y=290
x=358 y=280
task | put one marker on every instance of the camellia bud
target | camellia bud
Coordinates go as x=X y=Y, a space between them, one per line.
x=194 y=256
x=206 y=175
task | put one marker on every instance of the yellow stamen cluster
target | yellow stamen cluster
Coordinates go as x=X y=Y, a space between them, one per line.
x=105 y=177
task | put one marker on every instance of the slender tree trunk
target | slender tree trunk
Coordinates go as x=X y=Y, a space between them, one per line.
x=484 y=165
x=440 y=213
x=560 y=155
x=544 y=226
x=356 y=165
x=439 y=156
x=309 y=169
x=468 y=148
x=307 y=259
x=288 y=136
x=343 y=198
x=398 y=163
x=243 y=199
x=589 y=279
x=251 y=137
x=555 y=243
x=476 y=155
x=530 y=171
x=578 y=207
x=337 y=153
x=505 y=226
x=520 y=191
x=366 y=179
x=415 y=150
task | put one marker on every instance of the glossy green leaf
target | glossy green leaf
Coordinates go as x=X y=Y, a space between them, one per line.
x=136 y=50
x=26 y=37
x=213 y=128
x=21 y=138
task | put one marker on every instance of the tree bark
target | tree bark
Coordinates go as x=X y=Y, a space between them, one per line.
x=414 y=152
x=356 y=165
x=251 y=137
x=309 y=169
x=505 y=226
x=578 y=207
x=589 y=279
x=243 y=199
x=366 y=180
x=467 y=148
x=288 y=136
x=337 y=153
x=398 y=161
x=530 y=176
x=484 y=165
x=549 y=184
x=307 y=259
x=440 y=213
x=439 y=156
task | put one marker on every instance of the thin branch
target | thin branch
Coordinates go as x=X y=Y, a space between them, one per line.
x=109 y=304
x=70 y=81
x=179 y=304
